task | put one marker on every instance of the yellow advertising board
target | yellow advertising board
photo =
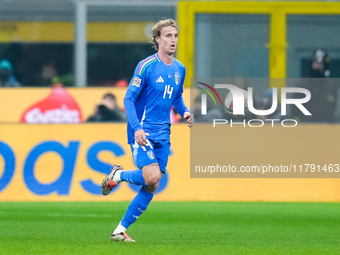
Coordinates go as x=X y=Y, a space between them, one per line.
x=42 y=162
x=14 y=101
x=67 y=162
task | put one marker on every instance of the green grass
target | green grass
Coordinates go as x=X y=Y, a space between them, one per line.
x=171 y=228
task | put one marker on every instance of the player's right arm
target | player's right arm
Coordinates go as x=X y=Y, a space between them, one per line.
x=133 y=91
x=140 y=137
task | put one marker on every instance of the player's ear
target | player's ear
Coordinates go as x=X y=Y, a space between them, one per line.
x=158 y=39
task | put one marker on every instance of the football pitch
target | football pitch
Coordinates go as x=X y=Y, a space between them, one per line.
x=171 y=228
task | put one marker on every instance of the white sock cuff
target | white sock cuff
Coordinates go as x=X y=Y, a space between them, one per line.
x=120 y=228
x=116 y=177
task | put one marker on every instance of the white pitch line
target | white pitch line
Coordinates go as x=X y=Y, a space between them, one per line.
x=78 y=215
x=75 y=215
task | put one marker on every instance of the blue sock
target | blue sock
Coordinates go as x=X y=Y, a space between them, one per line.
x=137 y=206
x=133 y=176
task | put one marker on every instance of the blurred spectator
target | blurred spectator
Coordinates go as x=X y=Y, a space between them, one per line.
x=319 y=64
x=48 y=75
x=323 y=91
x=7 y=78
x=108 y=111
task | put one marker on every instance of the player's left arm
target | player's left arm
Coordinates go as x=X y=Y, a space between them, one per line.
x=181 y=108
x=189 y=118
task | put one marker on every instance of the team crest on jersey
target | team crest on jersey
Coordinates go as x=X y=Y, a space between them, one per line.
x=150 y=154
x=136 y=82
x=177 y=78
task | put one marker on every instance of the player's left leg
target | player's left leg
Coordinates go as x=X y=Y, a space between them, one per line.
x=152 y=173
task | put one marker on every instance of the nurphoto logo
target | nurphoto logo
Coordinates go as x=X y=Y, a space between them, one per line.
x=239 y=103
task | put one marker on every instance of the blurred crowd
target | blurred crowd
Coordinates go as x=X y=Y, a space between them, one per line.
x=323 y=103
x=47 y=77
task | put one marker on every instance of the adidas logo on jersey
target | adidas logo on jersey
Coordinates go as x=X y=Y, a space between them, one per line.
x=160 y=79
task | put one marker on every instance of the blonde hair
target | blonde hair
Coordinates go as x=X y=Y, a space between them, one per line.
x=156 y=30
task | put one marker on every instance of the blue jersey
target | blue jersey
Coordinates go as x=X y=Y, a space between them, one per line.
x=153 y=90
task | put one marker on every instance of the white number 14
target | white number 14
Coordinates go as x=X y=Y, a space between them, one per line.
x=168 y=90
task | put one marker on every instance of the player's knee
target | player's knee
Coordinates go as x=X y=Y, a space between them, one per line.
x=152 y=178
x=151 y=189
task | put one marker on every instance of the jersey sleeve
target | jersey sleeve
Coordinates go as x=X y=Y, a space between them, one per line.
x=135 y=87
x=178 y=102
x=138 y=80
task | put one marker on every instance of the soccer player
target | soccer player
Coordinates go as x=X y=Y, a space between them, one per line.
x=156 y=86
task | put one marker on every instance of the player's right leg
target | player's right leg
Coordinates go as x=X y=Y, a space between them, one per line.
x=109 y=183
x=149 y=176
x=118 y=174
